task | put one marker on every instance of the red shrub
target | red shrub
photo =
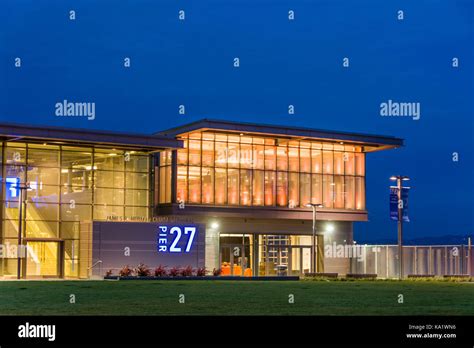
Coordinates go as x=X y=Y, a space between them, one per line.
x=160 y=271
x=201 y=272
x=187 y=272
x=142 y=270
x=126 y=271
x=174 y=272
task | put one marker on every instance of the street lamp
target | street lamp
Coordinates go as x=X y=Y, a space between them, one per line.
x=313 y=242
x=399 y=179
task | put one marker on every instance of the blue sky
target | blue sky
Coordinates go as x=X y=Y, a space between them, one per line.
x=282 y=62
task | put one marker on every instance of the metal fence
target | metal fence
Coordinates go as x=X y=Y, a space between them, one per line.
x=436 y=260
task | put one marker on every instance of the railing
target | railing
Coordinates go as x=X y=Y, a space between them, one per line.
x=436 y=260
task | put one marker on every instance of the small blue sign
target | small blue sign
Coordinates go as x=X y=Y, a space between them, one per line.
x=394 y=204
x=176 y=239
x=12 y=188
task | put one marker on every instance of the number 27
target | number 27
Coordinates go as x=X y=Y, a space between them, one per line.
x=191 y=231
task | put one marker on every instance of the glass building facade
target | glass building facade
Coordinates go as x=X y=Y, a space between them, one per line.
x=220 y=169
x=68 y=185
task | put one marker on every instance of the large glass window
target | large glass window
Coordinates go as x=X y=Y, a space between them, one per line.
x=236 y=169
x=69 y=185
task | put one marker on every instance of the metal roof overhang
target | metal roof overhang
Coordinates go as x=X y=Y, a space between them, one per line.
x=75 y=136
x=372 y=142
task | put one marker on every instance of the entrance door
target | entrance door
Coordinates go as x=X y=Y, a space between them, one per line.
x=44 y=259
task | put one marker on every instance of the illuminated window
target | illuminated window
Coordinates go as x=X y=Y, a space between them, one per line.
x=316 y=189
x=245 y=187
x=360 y=193
x=349 y=192
x=270 y=157
x=233 y=186
x=258 y=156
x=257 y=197
x=293 y=159
x=182 y=184
x=221 y=186
x=208 y=153
x=338 y=163
x=194 y=184
x=360 y=164
x=293 y=184
x=236 y=169
x=282 y=189
x=339 y=191
x=305 y=189
x=270 y=188
x=328 y=191
x=316 y=161
x=207 y=185
x=328 y=162
x=282 y=158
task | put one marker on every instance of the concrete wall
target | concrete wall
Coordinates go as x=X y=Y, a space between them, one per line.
x=113 y=240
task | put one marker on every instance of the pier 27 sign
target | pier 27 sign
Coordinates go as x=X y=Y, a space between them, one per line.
x=176 y=239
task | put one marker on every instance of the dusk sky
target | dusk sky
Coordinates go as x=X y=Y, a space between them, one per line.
x=282 y=62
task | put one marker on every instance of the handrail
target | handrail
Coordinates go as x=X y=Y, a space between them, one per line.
x=95 y=264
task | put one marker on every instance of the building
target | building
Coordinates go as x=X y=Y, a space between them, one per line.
x=93 y=196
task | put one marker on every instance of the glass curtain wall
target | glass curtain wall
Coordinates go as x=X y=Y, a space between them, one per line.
x=68 y=185
x=225 y=169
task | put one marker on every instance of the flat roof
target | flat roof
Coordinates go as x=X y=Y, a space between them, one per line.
x=378 y=142
x=142 y=142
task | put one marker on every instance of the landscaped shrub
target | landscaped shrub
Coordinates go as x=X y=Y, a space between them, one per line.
x=201 y=272
x=174 y=272
x=187 y=271
x=126 y=271
x=108 y=273
x=216 y=272
x=160 y=271
x=142 y=270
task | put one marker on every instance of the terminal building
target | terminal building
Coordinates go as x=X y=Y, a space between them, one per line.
x=216 y=194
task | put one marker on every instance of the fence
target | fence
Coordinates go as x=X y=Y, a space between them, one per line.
x=436 y=260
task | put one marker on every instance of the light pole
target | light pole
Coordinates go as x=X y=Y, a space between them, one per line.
x=399 y=179
x=19 y=251
x=313 y=242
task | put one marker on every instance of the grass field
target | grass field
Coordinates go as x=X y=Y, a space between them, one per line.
x=235 y=298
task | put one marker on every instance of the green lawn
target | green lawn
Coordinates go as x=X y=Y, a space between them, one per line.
x=235 y=298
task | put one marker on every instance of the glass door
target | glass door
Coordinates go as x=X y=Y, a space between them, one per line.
x=44 y=259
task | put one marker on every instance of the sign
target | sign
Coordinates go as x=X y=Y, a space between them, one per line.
x=12 y=188
x=394 y=203
x=176 y=238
